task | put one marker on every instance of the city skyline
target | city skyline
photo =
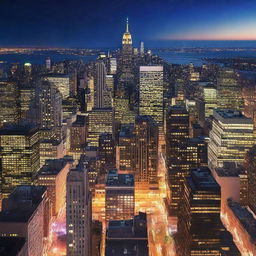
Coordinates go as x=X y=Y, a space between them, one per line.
x=87 y=24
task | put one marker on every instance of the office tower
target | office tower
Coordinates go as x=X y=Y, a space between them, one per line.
x=122 y=111
x=209 y=97
x=78 y=134
x=177 y=134
x=107 y=152
x=53 y=175
x=125 y=153
x=151 y=92
x=100 y=84
x=19 y=155
x=90 y=94
x=100 y=121
x=78 y=213
x=113 y=66
x=146 y=150
x=127 y=237
x=110 y=82
x=51 y=149
x=50 y=109
x=250 y=163
x=142 y=48
x=200 y=231
x=229 y=91
x=230 y=137
x=48 y=63
x=26 y=101
x=119 y=196
x=25 y=214
x=8 y=102
x=62 y=83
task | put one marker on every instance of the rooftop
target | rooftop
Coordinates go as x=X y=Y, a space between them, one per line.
x=19 y=129
x=53 y=167
x=11 y=246
x=115 y=179
x=245 y=217
x=22 y=203
x=231 y=116
x=202 y=179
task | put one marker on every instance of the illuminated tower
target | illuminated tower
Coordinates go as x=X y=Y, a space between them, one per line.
x=142 y=48
x=230 y=137
x=19 y=156
x=100 y=84
x=146 y=150
x=126 y=61
x=229 y=91
x=8 y=102
x=151 y=92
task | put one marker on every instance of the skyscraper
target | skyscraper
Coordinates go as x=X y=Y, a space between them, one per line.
x=151 y=92
x=100 y=84
x=230 y=137
x=8 y=102
x=200 y=231
x=177 y=134
x=146 y=150
x=50 y=108
x=19 y=156
x=229 y=91
x=78 y=213
x=142 y=48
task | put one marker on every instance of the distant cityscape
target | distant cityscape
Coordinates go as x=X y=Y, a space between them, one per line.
x=122 y=152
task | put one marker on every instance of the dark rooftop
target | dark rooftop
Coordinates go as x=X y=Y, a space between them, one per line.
x=202 y=179
x=53 y=167
x=245 y=217
x=18 y=129
x=11 y=246
x=115 y=179
x=21 y=203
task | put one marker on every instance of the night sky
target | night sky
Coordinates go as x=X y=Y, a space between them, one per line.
x=100 y=23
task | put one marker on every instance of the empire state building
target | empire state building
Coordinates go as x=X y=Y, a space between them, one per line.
x=126 y=57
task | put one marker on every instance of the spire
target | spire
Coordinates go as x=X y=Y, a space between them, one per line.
x=127 y=25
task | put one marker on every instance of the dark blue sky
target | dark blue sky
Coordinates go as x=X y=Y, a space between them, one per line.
x=100 y=23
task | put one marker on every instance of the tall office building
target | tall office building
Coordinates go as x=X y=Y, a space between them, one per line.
x=100 y=84
x=229 y=91
x=19 y=156
x=78 y=213
x=50 y=108
x=48 y=63
x=200 y=231
x=8 y=102
x=62 y=83
x=107 y=152
x=230 y=137
x=100 y=121
x=146 y=150
x=125 y=153
x=177 y=134
x=151 y=92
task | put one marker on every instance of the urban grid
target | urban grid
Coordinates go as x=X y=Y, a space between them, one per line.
x=127 y=153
